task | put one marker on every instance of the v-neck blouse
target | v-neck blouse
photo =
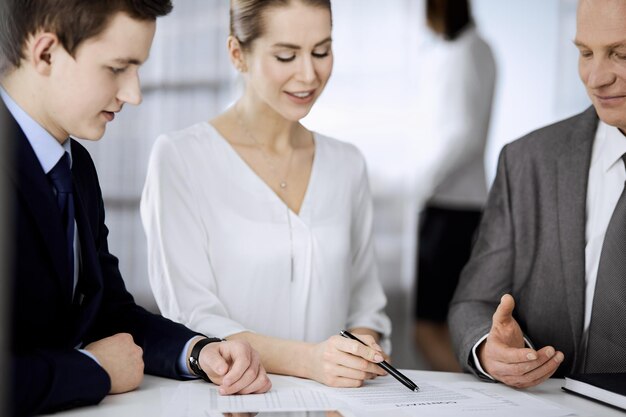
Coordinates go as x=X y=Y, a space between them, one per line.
x=221 y=242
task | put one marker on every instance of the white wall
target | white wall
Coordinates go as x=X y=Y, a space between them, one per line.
x=538 y=81
x=371 y=97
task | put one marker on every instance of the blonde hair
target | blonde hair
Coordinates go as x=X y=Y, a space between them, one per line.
x=246 y=17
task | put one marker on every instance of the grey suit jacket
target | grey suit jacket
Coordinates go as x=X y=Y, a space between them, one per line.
x=531 y=243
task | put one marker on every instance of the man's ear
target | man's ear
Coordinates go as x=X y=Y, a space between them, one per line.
x=40 y=50
x=236 y=54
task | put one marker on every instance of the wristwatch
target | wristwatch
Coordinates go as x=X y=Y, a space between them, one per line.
x=194 y=358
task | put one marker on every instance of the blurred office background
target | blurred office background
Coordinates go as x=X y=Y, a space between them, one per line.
x=370 y=101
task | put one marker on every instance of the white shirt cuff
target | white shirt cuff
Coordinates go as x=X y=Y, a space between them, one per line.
x=475 y=357
x=183 y=369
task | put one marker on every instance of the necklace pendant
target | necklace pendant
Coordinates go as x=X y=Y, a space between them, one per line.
x=283 y=185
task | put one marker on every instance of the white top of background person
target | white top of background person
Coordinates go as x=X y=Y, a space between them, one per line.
x=456 y=88
x=457 y=76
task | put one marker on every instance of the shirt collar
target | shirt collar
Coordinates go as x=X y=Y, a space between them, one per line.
x=612 y=145
x=47 y=149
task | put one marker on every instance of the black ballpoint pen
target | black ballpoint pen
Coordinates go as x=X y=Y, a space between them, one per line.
x=390 y=369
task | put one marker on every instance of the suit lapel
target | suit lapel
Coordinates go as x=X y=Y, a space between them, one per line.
x=573 y=174
x=36 y=191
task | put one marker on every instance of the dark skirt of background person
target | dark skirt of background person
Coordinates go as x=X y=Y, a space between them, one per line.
x=445 y=242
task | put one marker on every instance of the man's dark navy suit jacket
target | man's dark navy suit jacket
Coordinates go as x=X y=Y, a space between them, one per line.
x=48 y=373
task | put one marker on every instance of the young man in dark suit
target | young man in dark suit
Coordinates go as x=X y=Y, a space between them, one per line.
x=77 y=335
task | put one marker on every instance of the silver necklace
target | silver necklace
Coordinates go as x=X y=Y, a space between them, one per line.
x=282 y=182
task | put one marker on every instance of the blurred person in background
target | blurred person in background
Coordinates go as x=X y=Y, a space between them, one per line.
x=456 y=92
x=258 y=224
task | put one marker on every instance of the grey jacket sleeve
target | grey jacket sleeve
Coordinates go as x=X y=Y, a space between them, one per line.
x=488 y=274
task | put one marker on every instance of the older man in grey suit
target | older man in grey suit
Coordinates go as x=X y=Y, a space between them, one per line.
x=553 y=235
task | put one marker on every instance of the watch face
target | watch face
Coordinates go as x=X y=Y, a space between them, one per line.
x=196 y=369
x=193 y=363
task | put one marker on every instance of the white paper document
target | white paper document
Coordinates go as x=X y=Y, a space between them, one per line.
x=385 y=393
x=275 y=400
x=284 y=396
x=383 y=396
x=445 y=399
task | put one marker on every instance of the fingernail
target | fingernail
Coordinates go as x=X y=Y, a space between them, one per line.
x=550 y=352
x=559 y=357
x=531 y=356
x=222 y=391
x=378 y=358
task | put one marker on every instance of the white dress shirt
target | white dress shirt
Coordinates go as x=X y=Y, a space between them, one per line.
x=221 y=242
x=456 y=88
x=607 y=176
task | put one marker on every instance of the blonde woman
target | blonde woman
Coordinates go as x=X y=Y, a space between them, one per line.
x=261 y=228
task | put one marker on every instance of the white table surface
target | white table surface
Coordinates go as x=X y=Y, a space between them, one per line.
x=154 y=391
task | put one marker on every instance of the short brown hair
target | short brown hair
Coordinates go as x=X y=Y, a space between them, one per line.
x=73 y=21
x=448 y=17
x=246 y=17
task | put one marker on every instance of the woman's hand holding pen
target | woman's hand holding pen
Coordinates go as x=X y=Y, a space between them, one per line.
x=341 y=362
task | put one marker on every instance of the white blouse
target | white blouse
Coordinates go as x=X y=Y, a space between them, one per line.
x=220 y=242
x=457 y=84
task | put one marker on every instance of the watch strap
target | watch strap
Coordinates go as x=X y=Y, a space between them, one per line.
x=194 y=357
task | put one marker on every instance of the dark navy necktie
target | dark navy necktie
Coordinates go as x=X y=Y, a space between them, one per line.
x=606 y=347
x=61 y=178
